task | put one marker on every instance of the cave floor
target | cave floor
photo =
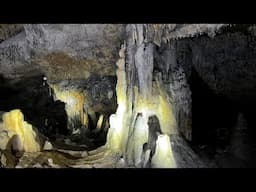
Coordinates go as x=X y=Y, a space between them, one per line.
x=61 y=158
x=65 y=155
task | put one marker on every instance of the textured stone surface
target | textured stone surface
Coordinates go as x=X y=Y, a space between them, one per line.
x=9 y=30
x=85 y=98
x=62 y=46
x=184 y=156
x=191 y=30
x=174 y=80
x=158 y=61
x=47 y=146
x=17 y=134
x=226 y=63
x=146 y=97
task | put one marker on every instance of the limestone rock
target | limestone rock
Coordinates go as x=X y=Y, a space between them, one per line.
x=52 y=164
x=100 y=123
x=14 y=124
x=37 y=165
x=17 y=147
x=47 y=146
x=120 y=163
x=86 y=46
x=3 y=161
x=163 y=157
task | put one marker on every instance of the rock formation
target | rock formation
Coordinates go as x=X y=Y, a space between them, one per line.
x=17 y=133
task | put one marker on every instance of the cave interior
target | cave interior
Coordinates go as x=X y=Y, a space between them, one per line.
x=127 y=95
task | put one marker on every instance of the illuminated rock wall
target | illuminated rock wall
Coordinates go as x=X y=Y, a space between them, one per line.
x=138 y=98
x=117 y=135
x=86 y=100
x=74 y=105
x=14 y=124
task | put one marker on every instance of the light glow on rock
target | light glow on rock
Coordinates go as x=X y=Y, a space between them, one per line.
x=74 y=107
x=100 y=122
x=128 y=134
x=14 y=124
x=116 y=134
x=163 y=157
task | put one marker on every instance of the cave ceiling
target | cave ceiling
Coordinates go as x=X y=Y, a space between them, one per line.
x=75 y=51
x=78 y=51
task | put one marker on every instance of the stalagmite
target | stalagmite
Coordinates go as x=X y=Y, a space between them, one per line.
x=117 y=121
x=139 y=98
x=14 y=124
x=163 y=157
x=100 y=122
x=137 y=140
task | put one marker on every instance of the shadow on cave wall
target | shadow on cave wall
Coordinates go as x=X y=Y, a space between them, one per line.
x=213 y=115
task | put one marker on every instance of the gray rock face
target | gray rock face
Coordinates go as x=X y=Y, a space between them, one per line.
x=172 y=75
x=185 y=157
x=14 y=55
x=77 y=54
x=58 y=46
x=80 y=44
x=9 y=30
x=226 y=63
x=240 y=140
x=192 y=30
x=144 y=64
x=75 y=39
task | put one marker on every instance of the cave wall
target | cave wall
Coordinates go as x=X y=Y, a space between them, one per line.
x=86 y=100
x=35 y=101
x=149 y=79
x=221 y=74
x=9 y=30
x=80 y=54
x=225 y=62
x=174 y=76
x=156 y=68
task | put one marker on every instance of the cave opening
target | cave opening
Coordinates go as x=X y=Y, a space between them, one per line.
x=33 y=98
x=213 y=111
x=222 y=84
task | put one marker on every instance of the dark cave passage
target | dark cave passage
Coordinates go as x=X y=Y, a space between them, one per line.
x=218 y=130
x=33 y=98
x=213 y=115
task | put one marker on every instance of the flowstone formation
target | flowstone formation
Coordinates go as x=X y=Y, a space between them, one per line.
x=88 y=103
x=74 y=105
x=139 y=98
x=14 y=126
